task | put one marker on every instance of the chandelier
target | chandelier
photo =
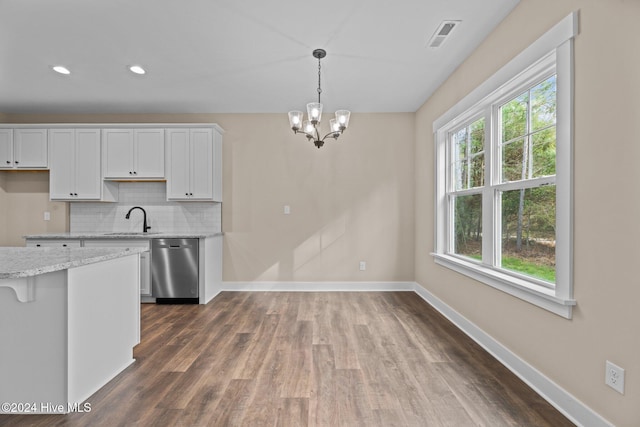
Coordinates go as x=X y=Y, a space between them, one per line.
x=311 y=127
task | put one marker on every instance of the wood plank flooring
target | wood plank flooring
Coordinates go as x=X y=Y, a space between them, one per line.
x=307 y=359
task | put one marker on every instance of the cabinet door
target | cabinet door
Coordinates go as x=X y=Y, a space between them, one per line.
x=178 y=165
x=62 y=164
x=88 y=180
x=148 y=153
x=201 y=164
x=30 y=147
x=6 y=148
x=53 y=243
x=117 y=153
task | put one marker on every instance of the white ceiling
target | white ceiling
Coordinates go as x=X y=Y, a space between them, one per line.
x=231 y=56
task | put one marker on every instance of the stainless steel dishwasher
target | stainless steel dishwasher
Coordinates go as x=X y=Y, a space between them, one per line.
x=174 y=270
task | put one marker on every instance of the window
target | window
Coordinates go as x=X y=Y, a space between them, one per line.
x=503 y=177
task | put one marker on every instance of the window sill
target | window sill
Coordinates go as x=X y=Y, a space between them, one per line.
x=519 y=288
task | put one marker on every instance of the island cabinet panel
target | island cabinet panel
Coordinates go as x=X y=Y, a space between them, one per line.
x=103 y=324
x=23 y=149
x=133 y=153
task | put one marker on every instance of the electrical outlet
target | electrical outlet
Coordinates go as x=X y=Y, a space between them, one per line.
x=287 y=209
x=363 y=265
x=47 y=216
x=614 y=377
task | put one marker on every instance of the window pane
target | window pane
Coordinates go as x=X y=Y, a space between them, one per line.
x=468 y=226
x=514 y=117
x=543 y=104
x=528 y=232
x=513 y=161
x=476 y=131
x=460 y=144
x=461 y=175
x=544 y=152
x=476 y=171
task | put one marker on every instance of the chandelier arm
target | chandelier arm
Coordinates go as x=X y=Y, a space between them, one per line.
x=333 y=135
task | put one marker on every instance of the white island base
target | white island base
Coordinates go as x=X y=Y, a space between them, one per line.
x=75 y=333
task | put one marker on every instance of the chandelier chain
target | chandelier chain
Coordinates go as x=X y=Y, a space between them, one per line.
x=319 y=87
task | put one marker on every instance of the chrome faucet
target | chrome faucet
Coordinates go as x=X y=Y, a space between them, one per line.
x=144 y=221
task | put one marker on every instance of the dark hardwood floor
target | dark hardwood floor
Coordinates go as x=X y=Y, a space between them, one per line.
x=317 y=359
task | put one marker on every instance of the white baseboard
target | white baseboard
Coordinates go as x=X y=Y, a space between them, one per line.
x=318 y=286
x=563 y=401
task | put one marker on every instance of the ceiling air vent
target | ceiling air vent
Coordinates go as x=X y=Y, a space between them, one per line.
x=441 y=34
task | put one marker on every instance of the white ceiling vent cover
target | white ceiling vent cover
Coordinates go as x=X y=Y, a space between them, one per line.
x=444 y=30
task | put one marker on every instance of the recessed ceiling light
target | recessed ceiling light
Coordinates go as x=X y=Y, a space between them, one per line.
x=60 y=69
x=137 y=69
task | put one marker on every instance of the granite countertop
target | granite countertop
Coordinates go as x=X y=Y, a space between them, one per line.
x=18 y=262
x=124 y=235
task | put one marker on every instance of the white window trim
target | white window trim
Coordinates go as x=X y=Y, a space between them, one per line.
x=558 y=39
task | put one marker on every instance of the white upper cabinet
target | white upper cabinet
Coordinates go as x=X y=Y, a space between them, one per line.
x=23 y=149
x=86 y=161
x=6 y=148
x=74 y=163
x=133 y=153
x=194 y=164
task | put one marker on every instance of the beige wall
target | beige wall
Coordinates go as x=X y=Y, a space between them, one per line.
x=607 y=207
x=350 y=201
x=25 y=197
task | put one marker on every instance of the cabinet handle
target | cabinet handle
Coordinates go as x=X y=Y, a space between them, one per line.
x=71 y=194
x=135 y=173
x=75 y=194
x=17 y=162
x=64 y=245
x=191 y=194
x=38 y=245
x=130 y=173
x=186 y=194
x=8 y=162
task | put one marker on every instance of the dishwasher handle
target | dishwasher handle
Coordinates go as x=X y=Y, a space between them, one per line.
x=163 y=244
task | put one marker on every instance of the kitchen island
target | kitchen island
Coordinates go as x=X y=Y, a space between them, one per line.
x=69 y=319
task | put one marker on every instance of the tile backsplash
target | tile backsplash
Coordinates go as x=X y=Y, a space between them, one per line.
x=162 y=216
